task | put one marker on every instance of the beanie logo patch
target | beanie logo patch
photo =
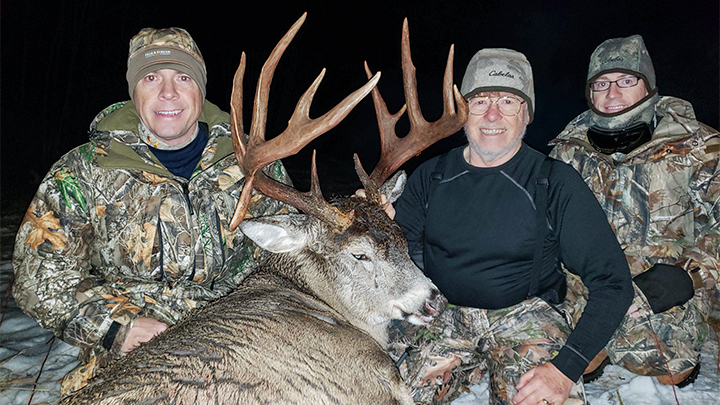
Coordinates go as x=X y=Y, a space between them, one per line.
x=617 y=58
x=157 y=52
x=501 y=73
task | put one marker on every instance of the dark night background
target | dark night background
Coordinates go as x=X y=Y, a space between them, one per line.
x=64 y=61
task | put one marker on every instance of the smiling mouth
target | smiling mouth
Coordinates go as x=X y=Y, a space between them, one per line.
x=616 y=108
x=168 y=113
x=492 y=131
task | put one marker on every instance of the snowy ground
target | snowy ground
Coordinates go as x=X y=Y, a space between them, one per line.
x=32 y=363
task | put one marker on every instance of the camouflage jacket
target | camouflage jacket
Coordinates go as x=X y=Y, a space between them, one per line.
x=112 y=235
x=662 y=198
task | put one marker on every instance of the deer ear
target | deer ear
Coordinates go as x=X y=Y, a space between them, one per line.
x=277 y=233
x=394 y=186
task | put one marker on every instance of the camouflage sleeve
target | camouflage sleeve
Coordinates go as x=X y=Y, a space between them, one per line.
x=57 y=281
x=703 y=258
x=51 y=260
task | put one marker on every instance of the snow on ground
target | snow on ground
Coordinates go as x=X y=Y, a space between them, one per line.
x=618 y=385
x=25 y=346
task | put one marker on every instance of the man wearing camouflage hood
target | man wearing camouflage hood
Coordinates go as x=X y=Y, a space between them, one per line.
x=654 y=169
x=489 y=223
x=129 y=232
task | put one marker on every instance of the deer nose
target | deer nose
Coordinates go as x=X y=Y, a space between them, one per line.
x=435 y=305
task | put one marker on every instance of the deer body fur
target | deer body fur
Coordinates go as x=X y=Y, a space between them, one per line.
x=308 y=327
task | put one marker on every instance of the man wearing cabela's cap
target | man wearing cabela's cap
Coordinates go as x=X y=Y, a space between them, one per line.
x=490 y=223
x=129 y=232
x=655 y=171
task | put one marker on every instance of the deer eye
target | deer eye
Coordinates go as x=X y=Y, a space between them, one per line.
x=361 y=257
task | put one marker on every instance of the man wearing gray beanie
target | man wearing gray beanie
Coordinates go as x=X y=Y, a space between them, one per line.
x=656 y=172
x=490 y=223
x=130 y=232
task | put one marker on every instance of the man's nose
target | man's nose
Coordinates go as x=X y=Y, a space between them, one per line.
x=614 y=91
x=168 y=91
x=493 y=113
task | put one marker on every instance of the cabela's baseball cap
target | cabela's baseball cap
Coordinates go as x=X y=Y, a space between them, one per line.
x=500 y=69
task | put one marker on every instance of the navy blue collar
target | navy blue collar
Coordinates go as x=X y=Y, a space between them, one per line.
x=182 y=162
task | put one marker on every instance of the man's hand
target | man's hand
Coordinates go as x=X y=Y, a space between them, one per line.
x=387 y=205
x=143 y=330
x=543 y=382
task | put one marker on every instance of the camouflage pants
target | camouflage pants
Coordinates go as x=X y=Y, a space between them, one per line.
x=653 y=344
x=455 y=351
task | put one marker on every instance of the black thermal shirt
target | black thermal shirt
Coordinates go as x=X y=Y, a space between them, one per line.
x=478 y=239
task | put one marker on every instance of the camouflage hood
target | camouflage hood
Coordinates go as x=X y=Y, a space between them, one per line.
x=675 y=121
x=642 y=111
x=624 y=55
x=115 y=130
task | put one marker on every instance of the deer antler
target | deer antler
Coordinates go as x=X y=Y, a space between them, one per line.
x=396 y=151
x=257 y=153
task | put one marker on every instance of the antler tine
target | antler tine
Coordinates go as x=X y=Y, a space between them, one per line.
x=311 y=202
x=236 y=119
x=396 y=151
x=300 y=131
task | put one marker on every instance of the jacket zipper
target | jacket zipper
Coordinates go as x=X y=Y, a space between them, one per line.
x=160 y=244
x=222 y=247
x=186 y=194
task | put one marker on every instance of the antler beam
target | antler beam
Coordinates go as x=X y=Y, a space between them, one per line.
x=257 y=152
x=396 y=151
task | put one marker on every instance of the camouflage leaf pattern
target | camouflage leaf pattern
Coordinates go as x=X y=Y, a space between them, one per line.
x=69 y=187
x=661 y=201
x=111 y=235
x=464 y=343
x=44 y=229
x=681 y=332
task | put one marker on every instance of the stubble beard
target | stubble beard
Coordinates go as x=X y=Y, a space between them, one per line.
x=490 y=156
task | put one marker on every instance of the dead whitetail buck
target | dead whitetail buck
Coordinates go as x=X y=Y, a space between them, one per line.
x=309 y=325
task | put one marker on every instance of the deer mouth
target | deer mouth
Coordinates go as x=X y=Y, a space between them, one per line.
x=418 y=319
x=432 y=307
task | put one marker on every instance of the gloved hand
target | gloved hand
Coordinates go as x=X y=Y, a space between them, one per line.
x=665 y=286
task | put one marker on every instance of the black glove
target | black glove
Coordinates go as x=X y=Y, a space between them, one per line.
x=665 y=286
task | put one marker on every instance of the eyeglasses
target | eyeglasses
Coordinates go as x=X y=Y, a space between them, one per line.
x=507 y=105
x=624 y=83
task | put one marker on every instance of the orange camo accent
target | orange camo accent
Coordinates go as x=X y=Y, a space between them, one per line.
x=674 y=148
x=154 y=178
x=442 y=369
x=44 y=229
x=122 y=304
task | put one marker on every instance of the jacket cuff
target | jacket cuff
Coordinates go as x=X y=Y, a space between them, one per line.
x=570 y=363
x=109 y=338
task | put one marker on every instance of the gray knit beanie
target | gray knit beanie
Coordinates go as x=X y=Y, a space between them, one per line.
x=167 y=48
x=624 y=55
x=500 y=69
